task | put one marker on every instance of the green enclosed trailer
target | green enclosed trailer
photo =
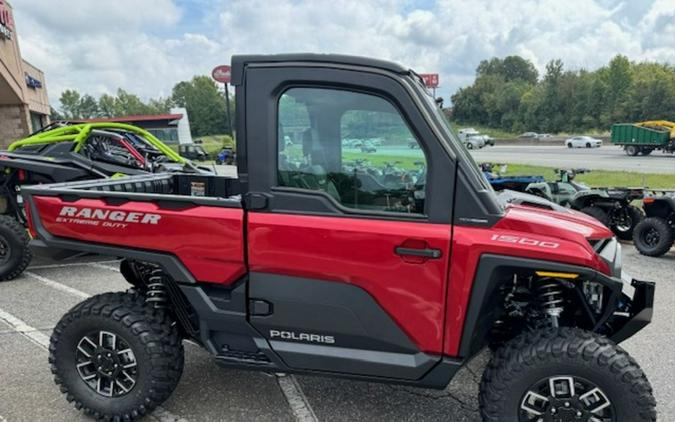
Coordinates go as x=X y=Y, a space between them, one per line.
x=644 y=137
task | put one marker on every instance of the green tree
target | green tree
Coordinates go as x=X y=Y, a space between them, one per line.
x=70 y=104
x=204 y=103
x=128 y=104
x=88 y=107
x=507 y=94
x=107 y=106
x=54 y=114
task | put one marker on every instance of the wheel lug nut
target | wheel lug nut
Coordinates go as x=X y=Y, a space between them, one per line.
x=578 y=414
x=567 y=404
x=553 y=410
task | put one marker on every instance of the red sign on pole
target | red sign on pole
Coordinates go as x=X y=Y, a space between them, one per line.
x=430 y=79
x=222 y=74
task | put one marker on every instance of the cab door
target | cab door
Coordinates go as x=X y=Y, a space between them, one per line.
x=349 y=222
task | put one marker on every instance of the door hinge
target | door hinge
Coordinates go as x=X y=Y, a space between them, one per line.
x=255 y=201
x=259 y=307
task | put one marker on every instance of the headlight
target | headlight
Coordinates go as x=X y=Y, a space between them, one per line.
x=610 y=252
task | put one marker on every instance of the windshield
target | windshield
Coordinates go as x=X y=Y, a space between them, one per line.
x=451 y=134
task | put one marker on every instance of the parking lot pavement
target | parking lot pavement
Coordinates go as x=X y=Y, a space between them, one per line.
x=31 y=305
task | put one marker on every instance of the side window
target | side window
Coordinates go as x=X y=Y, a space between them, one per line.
x=355 y=147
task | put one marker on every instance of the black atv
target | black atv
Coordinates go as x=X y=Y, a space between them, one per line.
x=611 y=206
x=654 y=236
x=66 y=152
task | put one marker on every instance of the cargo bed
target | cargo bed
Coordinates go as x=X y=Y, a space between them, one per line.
x=165 y=217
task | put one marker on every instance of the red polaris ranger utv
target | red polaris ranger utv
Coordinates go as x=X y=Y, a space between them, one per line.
x=397 y=265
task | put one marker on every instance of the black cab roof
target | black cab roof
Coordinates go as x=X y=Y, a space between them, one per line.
x=240 y=61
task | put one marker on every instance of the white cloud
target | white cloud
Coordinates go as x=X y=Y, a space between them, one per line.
x=146 y=46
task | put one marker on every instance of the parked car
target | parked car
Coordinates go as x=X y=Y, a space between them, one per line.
x=474 y=141
x=471 y=136
x=368 y=146
x=192 y=152
x=528 y=135
x=583 y=142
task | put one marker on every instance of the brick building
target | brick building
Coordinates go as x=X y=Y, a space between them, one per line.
x=24 y=105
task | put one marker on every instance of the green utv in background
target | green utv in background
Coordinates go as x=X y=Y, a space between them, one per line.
x=65 y=152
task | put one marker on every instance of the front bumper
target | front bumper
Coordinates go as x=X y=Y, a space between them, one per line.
x=639 y=310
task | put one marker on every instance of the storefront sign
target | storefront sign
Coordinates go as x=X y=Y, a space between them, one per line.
x=31 y=82
x=6 y=23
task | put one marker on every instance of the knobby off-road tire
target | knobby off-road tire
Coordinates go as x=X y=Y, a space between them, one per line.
x=568 y=356
x=597 y=213
x=154 y=364
x=15 y=254
x=653 y=236
x=635 y=215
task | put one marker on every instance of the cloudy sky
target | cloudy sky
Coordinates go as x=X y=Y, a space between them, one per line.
x=146 y=46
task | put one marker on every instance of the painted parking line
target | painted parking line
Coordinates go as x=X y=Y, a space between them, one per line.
x=103 y=266
x=70 y=264
x=56 y=285
x=33 y=334
x=297 y=401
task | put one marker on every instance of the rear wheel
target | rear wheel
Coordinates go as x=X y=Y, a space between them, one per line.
x=565 y=374
x=469 y=145
x=597 y=213
x=115 y=357
x=624 y=221
x=653 y=236
x=15 y=254
x=632 y=150
x=588 y=144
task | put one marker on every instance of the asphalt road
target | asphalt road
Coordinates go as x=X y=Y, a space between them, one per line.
x=607 y=157
x=31 y=305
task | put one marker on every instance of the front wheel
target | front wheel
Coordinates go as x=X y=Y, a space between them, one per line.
x=597 y=213
x=564 y=374
x=469 y=145
x=115 y=357
x=569 y=145
x=588 y=144
x=653 y=236
x=624 y=220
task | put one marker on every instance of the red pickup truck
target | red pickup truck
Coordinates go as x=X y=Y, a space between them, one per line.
x=398 y=265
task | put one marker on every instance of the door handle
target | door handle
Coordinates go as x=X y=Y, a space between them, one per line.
x=422 y=253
